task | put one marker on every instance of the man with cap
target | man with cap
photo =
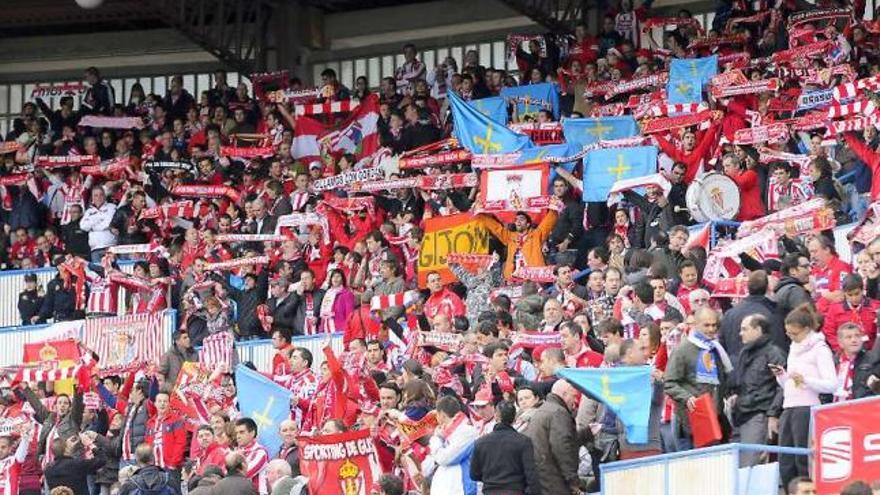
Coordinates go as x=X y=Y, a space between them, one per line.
x=483 y=411
x=29 y=300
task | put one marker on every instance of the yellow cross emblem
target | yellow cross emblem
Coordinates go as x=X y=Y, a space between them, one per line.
x=539 y=158
x=527 y=101
x=606 y=392
x=683 y=88
x=599 y=130
x=487 y=143
x=620 y=169
x=262 y=418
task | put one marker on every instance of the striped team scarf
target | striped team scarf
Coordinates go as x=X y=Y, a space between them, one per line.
x=382 y=302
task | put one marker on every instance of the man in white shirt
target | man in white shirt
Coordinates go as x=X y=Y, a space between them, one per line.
x=96 y=221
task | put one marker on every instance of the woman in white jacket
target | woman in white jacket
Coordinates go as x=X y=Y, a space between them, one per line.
x=447 y=466
x=809 y=372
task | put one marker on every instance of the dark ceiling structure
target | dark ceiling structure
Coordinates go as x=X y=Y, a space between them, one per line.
x=235 y=31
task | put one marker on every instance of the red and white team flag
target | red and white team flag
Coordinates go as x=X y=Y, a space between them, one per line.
x=216 y=352
x=326 y=107
x=359 y=133
x=126 y=342
x=305 y=139
x=378 y=303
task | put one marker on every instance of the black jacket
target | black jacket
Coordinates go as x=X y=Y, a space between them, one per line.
x=120 y=222
x=418 y=134
x=99 y=99
x=283 y=313
x=29 y=304
x=60 y=302
x=72 y=472
x=178 y=108
x=654 y=218
x=505 y=460
x=569 y=224
x=751 y=305
x=148 y=478
x=247 y=301
x=299 y=309
x=76 y=240
x=756 y=387
x=866 y=364
x=790 y=293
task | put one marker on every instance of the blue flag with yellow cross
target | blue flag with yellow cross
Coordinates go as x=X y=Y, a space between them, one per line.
x=688 y=76
x=625 y=390
x=604 y=167
x=532 y=98
x=264 y=401
x=494 y=107
x=584 y=132
x=480 y=134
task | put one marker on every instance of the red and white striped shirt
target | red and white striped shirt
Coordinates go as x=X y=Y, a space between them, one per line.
x=10 y=468
x=103 y=294
x=303 y=385
x=257 y=458
x=791 y=194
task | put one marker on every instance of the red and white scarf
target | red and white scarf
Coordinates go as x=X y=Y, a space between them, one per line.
x=328 y=323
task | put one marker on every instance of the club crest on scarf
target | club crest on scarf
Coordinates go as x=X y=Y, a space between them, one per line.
x=351 y=479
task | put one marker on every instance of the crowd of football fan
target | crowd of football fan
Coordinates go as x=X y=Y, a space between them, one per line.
x=628 y=286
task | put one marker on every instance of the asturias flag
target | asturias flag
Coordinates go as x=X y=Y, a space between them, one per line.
x=494 y=107
x=480 y=134
x=625 y=390
x=264 y=401
x=687 y=76
x=584 y=132
x=604 y=167
x=697 y=70
x=532 y=98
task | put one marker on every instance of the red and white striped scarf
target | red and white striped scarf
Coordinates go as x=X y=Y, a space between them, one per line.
x=216 y=352
x=328 y=323
x=311 y=321
x=379 y=303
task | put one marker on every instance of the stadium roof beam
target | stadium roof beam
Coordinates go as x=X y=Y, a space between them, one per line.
x=234 y=31
x=560 y=16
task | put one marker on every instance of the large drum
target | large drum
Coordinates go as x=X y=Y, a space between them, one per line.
x=713 y=197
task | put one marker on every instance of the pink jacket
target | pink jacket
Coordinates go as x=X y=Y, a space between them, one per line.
x=811 y=358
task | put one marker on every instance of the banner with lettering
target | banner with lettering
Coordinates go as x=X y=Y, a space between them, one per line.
x=445 y=235
x=847 y=444
x=339 y=464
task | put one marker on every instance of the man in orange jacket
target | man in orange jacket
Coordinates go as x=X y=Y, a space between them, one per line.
x=525 y=243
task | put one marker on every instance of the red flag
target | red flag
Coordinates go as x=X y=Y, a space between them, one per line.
x=340 y=464
x=58 y=350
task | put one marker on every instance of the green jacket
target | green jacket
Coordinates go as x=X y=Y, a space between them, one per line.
x=680 y=383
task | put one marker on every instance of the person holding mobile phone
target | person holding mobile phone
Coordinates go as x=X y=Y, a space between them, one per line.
x=808 y=373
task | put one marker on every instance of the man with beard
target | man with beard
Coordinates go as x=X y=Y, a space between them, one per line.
x=525 y=243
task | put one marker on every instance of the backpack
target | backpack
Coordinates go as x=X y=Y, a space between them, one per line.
x=165 y=489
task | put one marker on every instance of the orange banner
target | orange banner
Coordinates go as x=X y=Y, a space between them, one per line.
x=460 y=233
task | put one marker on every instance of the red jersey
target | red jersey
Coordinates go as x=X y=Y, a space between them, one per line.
x=167 y=435
x=831 y=276
x=446 y=302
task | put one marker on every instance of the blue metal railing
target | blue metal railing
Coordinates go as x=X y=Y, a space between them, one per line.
x=666 y=460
